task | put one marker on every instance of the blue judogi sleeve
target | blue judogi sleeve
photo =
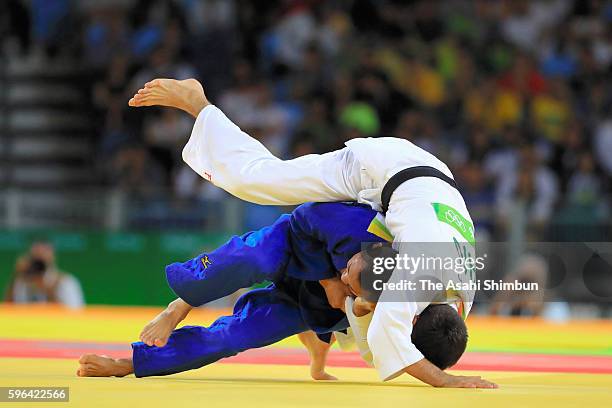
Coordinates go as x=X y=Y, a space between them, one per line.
x=261 y=317
x=241 y=262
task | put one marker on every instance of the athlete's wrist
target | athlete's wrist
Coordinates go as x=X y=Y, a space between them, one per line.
x=444 y=380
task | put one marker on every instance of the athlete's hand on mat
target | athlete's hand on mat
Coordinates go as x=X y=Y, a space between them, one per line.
x=460 y=381
x=430 y=374
x=336 y=292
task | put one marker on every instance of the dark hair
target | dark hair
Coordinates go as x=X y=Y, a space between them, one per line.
x=367 y=277
x=440 y=334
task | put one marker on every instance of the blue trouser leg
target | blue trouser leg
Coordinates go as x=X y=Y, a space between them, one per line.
x=261 y=317
x=239 y=263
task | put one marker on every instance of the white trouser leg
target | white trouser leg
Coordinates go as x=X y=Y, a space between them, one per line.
x=232 y=160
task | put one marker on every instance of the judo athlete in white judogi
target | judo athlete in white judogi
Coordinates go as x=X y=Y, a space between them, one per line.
x=412 y=187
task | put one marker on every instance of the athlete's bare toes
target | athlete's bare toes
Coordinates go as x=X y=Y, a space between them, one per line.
x=139 y=100
x=136 y=102
x=154 y=83
x=145 y=335
x=157 y=332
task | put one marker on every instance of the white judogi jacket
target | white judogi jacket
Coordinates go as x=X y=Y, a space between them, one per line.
x=232 y=160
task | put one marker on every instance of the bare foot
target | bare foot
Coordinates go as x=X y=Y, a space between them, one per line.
x=318 y=355
x=92 y=365
x=156 y=333
x=187 y=95
x=158 y=330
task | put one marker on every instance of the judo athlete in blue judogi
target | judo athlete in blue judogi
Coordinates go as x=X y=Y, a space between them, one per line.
x=299 y=249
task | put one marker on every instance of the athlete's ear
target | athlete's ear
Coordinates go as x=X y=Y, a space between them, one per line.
x=372 y=249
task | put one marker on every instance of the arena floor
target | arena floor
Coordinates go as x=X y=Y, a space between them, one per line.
x=534 y=362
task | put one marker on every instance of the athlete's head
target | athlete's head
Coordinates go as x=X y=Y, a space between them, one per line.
x=365 y=267
x=440 y=334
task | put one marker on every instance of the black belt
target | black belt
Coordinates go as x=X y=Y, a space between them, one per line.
x=408 y=174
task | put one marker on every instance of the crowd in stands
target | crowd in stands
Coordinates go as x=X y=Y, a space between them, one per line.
x=514 y=95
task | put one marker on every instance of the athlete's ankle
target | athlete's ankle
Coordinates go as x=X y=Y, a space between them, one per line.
x=125 y=366
x=178 y=310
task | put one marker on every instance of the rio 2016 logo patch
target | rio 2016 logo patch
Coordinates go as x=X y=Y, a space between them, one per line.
x=452 y=217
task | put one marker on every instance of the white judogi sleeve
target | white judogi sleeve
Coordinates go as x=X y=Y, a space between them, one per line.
x=377 y=334
x=232 y=160
x=389 y=338
x=359 y=326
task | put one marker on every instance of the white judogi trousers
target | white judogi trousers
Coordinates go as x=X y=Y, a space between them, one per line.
x=232 y=160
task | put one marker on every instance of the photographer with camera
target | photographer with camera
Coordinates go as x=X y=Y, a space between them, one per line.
x=37 y=279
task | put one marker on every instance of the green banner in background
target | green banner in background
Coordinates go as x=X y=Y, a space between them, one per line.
x=122 y=268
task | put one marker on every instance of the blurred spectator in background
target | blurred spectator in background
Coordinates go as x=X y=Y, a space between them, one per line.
x=525 y=20
x=530 y=268
x=526 y=197
x=165 y=137
x=51 y=26
x=479 y=198
x=37 y=279
x=603 y=144
x=584 y=187
x=15 y=27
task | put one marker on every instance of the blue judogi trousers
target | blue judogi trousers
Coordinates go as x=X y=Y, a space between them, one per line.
x=261 y=317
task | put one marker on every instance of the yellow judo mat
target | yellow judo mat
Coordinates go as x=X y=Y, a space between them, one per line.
x=34 y=329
